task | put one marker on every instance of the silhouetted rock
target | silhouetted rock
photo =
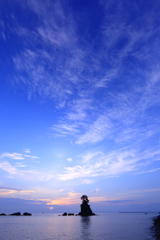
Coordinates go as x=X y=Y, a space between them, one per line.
x=27 y=214
x=85 y=207
x=2 y=214
x=64 y=214
x=70 y=214
x=156 y=227
x=16 y=214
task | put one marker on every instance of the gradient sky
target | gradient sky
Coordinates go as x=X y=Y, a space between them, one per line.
x=80 y=105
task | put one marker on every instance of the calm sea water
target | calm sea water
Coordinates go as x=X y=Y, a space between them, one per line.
x=109 y=226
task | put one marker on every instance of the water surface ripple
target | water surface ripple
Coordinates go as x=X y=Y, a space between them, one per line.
x=109 y=226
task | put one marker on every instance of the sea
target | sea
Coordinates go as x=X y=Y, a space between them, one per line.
x=107 y=226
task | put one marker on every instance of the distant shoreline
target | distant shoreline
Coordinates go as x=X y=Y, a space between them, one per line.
x=16 y=214
x=138 y=212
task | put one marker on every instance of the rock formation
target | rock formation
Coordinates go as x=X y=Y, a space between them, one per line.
x=27 y=214
x=156 y=227
x=15 y=214
x=64 y=214
x=85 y=207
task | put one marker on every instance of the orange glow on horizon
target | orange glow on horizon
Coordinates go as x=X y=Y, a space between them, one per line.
x=73 y=198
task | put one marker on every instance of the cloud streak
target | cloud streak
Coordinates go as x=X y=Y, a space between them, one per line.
x=110 y=165
x=72 y=198
x=96 y=107
x=7 y=167
x=16 y=156
x=5 y=192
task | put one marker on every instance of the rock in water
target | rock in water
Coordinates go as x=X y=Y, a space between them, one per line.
x=27 y=214
x=16 y=214
x=156 y=227
x=85 y=207
x=64 y=214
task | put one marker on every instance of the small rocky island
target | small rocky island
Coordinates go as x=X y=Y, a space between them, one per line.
x=85 y=208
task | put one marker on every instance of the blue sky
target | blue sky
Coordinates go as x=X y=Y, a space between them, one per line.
x=80 y=105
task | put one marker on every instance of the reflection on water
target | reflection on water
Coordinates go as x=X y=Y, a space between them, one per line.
x=86 y=228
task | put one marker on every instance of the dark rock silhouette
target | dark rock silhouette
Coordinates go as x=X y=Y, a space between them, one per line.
x=156 y=227
x=85 y=208
x=16 y=214
x=64 y=214
x=27 y=214
x=67 y=214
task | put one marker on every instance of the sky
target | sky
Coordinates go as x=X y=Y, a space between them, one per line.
x=80 y=105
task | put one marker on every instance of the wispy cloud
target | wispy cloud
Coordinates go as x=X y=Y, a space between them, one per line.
x=13 y=192
x=72 y=198
x=87 y=181
x=30 y=156
x=148 y=171
x=113 y=164
x=27 y=150
x=95 y=190
x=65 y=129
x=90 y=156
x=69 y=159
x=16 y=156
x=128 y=118
x=97 y=131
x=28 y=173
x=20 y=165
x=56 y=30
x=61 y=190
x=2 y=26
x=7 y=167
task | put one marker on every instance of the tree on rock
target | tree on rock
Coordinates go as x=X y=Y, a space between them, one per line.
x=84 y=199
